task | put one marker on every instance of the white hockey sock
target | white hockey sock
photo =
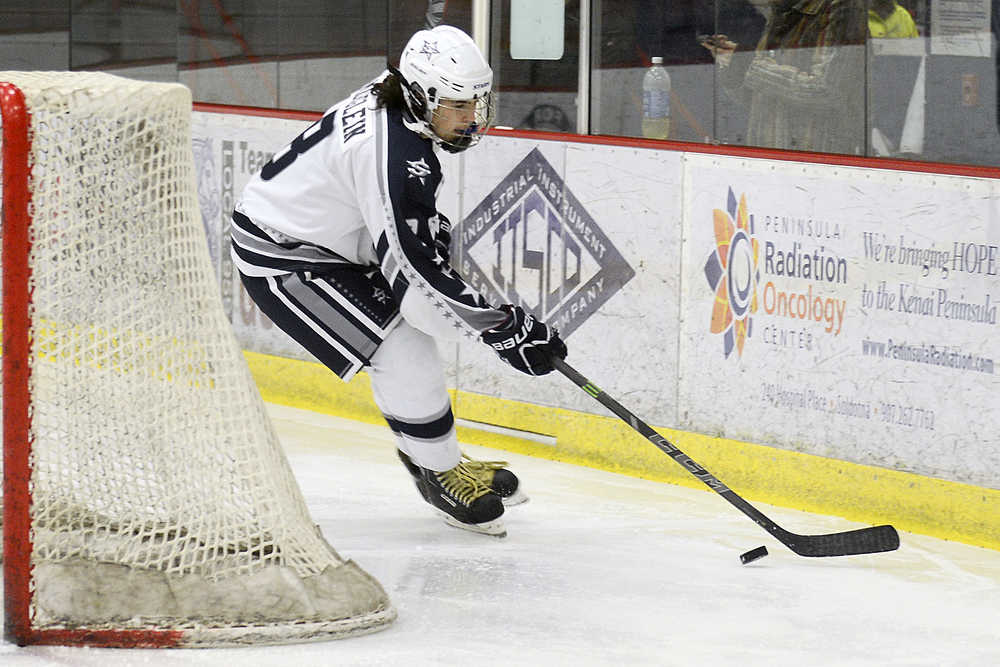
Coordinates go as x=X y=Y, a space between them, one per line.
x=408 y=386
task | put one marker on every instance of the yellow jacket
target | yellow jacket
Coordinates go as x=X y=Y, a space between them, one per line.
x=898 y=24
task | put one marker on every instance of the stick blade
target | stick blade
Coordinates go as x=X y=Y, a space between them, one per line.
x=874 y=539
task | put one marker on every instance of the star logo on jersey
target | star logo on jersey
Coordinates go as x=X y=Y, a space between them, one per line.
x=418 y=169
x=429 y=49
x=531 y=242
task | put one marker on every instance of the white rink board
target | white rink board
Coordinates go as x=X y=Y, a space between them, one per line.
x=607 y=276
x=818 y=386
x=636 y=305
x=228 y=150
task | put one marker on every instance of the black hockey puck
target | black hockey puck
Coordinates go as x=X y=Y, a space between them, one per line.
x=753 y=555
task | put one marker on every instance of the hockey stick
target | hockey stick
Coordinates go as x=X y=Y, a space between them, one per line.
x=849 y=543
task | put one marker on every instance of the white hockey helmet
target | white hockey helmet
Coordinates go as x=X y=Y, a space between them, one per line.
x=442 y=65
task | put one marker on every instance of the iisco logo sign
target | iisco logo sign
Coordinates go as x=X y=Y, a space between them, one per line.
x=530 y=242
x=733 y=273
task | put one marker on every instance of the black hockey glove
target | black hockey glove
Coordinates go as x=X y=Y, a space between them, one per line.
x=525 y=343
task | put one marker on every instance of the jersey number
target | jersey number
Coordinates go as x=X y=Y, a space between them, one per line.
x=313 y=134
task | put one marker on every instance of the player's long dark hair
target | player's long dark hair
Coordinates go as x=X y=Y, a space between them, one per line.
x=389 y=92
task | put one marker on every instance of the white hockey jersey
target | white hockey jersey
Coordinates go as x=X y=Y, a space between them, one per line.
x=358 y=187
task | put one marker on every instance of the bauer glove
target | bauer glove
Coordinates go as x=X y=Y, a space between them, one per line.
x=525 y=343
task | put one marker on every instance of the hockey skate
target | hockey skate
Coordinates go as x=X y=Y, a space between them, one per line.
x=493 y=474
x=460 y=497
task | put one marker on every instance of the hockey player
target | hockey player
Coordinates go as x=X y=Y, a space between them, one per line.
x=338 y=240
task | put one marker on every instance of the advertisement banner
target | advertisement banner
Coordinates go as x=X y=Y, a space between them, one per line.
x=844 y=312
x=587 y=239
x=228 y=150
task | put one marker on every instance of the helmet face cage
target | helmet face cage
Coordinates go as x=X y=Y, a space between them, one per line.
x=481 y=120
x=442 y=69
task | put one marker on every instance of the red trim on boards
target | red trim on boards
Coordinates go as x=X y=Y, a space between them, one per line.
x=232 y=109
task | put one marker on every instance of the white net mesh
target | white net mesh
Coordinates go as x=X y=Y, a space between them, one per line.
x=161 y=497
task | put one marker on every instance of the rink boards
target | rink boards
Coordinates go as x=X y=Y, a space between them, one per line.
x=818 y=336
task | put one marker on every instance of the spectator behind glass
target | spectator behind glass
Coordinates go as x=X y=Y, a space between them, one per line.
x=669 y=29
x=548 y=117
x=804 y=83
x=888 y=19
x=897 y=78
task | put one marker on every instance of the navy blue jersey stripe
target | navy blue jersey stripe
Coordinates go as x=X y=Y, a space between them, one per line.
x=399 y=286
x=330 y=319
x=279 y=264
x=413 y=173
x=334 y=306
x=303 y=331
x=382 y=247
x=245 y=224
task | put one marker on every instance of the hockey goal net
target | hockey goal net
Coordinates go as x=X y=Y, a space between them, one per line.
x=147 y=501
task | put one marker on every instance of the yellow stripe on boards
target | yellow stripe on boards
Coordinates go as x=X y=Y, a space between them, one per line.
x=914 y=503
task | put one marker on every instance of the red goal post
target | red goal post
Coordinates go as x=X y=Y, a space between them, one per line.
x=147 y=501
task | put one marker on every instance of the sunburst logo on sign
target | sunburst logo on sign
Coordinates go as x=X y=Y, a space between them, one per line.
x=733 y=271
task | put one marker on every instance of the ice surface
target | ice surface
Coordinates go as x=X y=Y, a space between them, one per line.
x=602 y=569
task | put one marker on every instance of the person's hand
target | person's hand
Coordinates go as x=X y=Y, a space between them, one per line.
x=719 y=46
x=525 y=343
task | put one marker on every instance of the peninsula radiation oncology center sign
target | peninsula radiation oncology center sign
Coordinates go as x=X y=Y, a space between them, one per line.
x=843 y=308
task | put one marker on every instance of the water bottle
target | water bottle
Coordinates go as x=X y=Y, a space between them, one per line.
x=656 y=101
